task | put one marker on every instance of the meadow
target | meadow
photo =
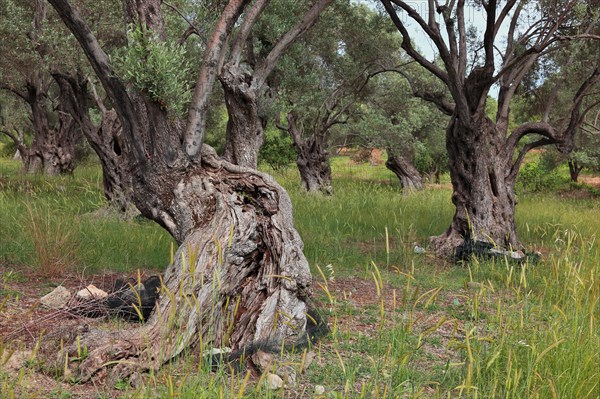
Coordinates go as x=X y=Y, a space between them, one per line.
x=402 y=324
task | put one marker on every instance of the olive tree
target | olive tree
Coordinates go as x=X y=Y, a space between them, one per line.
x=239 y=275
x=484 y=156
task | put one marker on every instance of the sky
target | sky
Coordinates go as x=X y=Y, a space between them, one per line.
x=474 y=16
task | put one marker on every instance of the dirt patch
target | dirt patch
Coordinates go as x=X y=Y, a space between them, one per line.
x=593 y=181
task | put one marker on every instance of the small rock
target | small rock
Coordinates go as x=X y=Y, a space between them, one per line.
x=474 y=285
x=273 y=381
x=308 y=359
x=216 y=351
x=58 y=298
x=15 y=361
x=262 y=359
x=419 y=250
x=319 y=389
x=91 y=292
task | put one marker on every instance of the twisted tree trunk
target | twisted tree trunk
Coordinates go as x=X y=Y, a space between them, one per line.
x=409 y=176
x=245 y=127
x=52 y=150
x=239 y=275
x=574 y=169
x=106 y=140
x=483 y=190
x=314 y=166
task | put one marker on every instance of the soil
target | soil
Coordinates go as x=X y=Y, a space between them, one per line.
x=23 y=320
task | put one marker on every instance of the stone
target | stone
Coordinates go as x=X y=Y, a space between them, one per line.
x=263 y=360
x=57 y=299
x=273 y=381
x=319 y=389
x=91 y=292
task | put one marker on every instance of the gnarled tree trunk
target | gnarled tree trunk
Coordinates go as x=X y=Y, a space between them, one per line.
x=245 y=127
x=105 y=140
x=409 y=176
x=314 y=166
x=483 y=190
x=52 y=150
x=313 y=158
x=574 y=169
x=239 y=274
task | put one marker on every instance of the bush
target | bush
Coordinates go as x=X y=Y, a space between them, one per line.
x=278 y=150
x=541 y=175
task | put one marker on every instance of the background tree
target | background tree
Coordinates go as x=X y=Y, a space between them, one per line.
x=411 y=134
x=25 y=73
x=239 y=267
x=324 y=81
x=481 y=151
x=245 y=73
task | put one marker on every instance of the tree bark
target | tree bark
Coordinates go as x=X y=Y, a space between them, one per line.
x=483 y=191
x=574 y=169
x=245 y=127
x=314 y=166
x=313 y=159
x=106 y=140
x=52 y=150
x=239 y=274
x=409 y=176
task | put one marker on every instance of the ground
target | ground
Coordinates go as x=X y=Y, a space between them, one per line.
x=357 y=302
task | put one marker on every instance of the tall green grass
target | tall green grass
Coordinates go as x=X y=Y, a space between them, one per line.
x=38 y=212
x=429 y=330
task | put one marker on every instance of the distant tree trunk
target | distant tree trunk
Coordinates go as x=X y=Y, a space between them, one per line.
x=245 y=127
x=105 y=140
x=409 y=176
x=314 y=166
x=313 y=158
x=52 y=150
x=574 y=169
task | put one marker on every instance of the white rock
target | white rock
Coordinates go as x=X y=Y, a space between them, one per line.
x=216 y=351
x=262 y=359
x=58 y=298
x=273 y=381
x=419 y=250
x=91 y=292
x=319 y=389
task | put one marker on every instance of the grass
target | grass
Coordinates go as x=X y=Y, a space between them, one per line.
x=43 y=218
x=419 y=329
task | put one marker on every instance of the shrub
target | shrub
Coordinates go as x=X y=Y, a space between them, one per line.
x=160 y=69
x=278 y=150
x=541 y=175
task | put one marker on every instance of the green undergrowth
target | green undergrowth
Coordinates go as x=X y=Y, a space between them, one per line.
x=47 y=221
x=403 y=325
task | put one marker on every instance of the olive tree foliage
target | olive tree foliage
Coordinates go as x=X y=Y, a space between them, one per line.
x=324 y=81
x=413 y=135
x=484 y=155
x=239 y=277
x=548 y=100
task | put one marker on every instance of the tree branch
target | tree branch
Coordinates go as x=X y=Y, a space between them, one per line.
x=192 y=29
x=15 y=91
x=250 y=18
x=514 y=170
x=309 y=19
x=194 y=133
x=407 y=42
x=100 y=63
